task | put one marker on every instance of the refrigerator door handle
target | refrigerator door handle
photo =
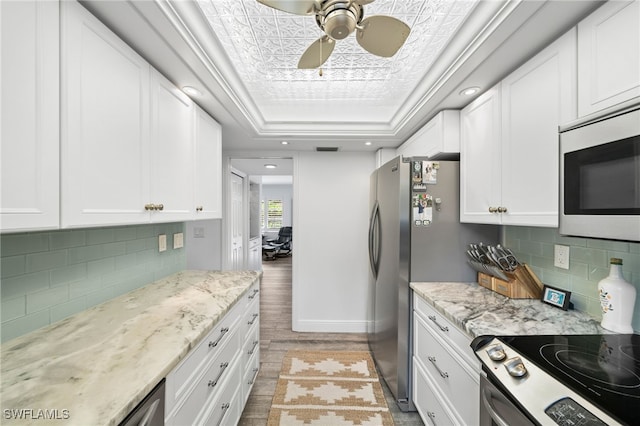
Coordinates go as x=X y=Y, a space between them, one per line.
x=374 y=239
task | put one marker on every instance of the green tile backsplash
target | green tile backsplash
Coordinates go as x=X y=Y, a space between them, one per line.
x=588 y=264
x=47 y=276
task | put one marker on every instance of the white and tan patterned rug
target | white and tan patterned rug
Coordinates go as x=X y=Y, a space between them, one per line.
x=329 y=388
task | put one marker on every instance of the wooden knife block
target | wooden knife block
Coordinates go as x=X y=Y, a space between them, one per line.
x=523 y=284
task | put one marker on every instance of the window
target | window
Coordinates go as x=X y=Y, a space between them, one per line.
x=273 y=211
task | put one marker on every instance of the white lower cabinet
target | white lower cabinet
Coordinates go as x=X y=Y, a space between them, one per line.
x=211 y=384
x=446 y=374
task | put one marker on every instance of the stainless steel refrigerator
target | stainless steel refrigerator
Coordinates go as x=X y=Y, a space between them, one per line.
x=415 y=235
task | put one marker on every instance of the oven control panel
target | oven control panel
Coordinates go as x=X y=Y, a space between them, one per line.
x=567 y=412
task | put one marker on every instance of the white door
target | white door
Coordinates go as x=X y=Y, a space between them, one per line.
x=237 y=221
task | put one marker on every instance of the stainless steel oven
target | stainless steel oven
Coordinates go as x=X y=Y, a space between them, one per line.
x=600 y=177
x=587 y=380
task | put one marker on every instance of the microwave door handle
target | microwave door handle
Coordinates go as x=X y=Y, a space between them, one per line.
x=486 y=395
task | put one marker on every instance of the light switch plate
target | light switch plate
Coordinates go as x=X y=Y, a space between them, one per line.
x=162 y=243
x=561 y=256
x=178 y=240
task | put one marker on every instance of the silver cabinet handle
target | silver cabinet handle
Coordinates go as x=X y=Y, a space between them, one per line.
x=223 y=331
x=224 y=408
x=252 y=350
x=255 y=316
x=255 y=374
x=502 y=209
x=493 y=210
x=443 y=374
x=214 y=382
x=255 y=291
x=442 y=327
x=432 y=417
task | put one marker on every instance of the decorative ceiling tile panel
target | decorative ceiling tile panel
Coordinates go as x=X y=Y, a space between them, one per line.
x=265 y=44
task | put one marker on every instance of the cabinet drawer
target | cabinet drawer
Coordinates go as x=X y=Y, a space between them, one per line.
x=446 y=329
x=222 y=366
x=458 y=382
x=182 y=378
x=225 y=408
x=251 y=319
x=431 y=409
x=252 y=294
x=251 y=373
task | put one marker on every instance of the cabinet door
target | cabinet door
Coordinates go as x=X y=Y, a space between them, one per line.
x=208 y=165
x=105 y=125
x=172 y=156
x=609 y=56
x=30 y=115
x=536 y=99
x=480 y=158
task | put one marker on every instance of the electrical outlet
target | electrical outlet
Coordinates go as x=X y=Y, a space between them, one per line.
x=198 y=232
x=178 y=240
x=561 y=256
x=162 y=243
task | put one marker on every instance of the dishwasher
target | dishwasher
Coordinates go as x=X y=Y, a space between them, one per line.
x=150 y=411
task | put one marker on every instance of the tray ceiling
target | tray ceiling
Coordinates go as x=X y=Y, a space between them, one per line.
x=265 y=45
x=243 y=57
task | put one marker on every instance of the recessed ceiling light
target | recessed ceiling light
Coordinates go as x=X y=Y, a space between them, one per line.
x=284 y=143
x=469 y=91
x=368 y=143
x=191 y=91
x=270 y=166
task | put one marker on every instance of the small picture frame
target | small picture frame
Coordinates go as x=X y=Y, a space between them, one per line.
x=556 y=297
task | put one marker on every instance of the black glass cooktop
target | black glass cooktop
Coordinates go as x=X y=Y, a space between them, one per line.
x=605 y=369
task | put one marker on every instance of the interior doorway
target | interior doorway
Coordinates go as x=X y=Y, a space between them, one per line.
x=268 y=191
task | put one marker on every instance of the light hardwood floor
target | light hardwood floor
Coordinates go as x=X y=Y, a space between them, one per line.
x=276 y=338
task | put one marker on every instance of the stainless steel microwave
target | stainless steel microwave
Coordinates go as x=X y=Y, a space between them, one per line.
x=600 y=177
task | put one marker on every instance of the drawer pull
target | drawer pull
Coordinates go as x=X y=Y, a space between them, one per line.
x=224 y=409
x=255 y=316
x=223 y=331
x=441 y=327
x=443 y=374
x=252 y=350
x=214 y=382
x=255 y=374
x=252 y=295
x=432 y=417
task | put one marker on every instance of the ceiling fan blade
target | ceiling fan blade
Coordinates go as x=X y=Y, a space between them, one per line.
x=297 y=7
x=317 y=54
x=382 y=35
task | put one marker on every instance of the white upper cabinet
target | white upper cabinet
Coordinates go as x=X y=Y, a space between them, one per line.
x=439 y=137
x=208 y=166
x=30 y=115
x=609 y=56
x=105 y=125
x=480 y=158
x=509 y=141
x=171 y=152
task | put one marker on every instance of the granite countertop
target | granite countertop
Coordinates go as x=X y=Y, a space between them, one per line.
x=96 y=366
x=478 y=311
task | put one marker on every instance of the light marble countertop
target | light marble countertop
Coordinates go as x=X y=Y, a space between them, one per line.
x=479 y=311
x=100 y=363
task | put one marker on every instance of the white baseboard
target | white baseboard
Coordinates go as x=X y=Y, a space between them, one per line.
x=324 y=326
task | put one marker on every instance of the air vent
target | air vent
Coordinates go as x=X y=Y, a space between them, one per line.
x=326 y=148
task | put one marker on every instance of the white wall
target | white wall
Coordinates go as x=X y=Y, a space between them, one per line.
x=330 y=261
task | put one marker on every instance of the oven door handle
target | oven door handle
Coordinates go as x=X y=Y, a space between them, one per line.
x=486 y=396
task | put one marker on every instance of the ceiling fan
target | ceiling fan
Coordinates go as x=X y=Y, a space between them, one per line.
x=380 y=35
